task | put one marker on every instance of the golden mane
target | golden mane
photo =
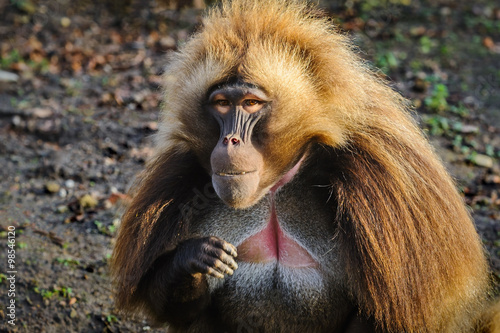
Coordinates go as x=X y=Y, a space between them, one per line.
x=414 y=259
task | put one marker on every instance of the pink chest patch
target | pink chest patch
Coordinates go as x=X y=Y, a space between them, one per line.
x=272 y=244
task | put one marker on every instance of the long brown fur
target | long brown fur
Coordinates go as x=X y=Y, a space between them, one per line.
x=415 y=261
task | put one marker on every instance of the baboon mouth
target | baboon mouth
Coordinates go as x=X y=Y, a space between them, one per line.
x=234 y=173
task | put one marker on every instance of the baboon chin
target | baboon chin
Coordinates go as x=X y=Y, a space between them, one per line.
x=291 y=191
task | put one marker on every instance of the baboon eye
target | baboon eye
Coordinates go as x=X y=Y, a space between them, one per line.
x=221 y=105
x=251 y=102
x=252 y=105
x=222 y=102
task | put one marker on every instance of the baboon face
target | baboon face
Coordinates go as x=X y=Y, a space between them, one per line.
x=237 y=161
x=243 y=166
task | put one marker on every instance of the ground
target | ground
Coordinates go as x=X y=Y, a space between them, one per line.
x=79 y=100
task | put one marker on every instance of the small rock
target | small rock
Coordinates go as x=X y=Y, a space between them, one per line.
x=88 y=201
x=107 y=204
x=483 y=160
x=52 y=187
x=109 y=161
x=73 y=313
x=63 y=193
x=167 y=42
x=8 y=76
x=41 y=112
x=140 y=96
x=152 y=125
x=467 y=129
x=492 y=179
x=65 y=22
x=16 y=121
x=62 y=209
x=70 y=183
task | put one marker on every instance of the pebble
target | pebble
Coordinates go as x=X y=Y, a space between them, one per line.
x=88 y=201
x=62 y=209
x=70 y=183
x=41 y=112
x=492 y=179
x=63 y=193
x=16 y=121
x=52 y=187
x=466 y=129
x=8 y=76
x=168 y=42
x=483 y=160
x=65 y=22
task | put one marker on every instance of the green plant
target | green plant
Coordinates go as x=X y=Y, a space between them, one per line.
x=62 y=292
x=438 y=125
x=67 y=261
x=105 y=230
x=426 y=44
x=41 y=66
x=437 y=101
x=11 y=58
x=367 y=5
x=460 y=110
x=386 y=61
x=111 y=319
x=490 y=150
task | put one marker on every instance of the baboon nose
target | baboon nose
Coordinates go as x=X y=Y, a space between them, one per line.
x=235 y=141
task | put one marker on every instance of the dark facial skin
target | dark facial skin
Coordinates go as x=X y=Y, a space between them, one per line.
x=237 y=164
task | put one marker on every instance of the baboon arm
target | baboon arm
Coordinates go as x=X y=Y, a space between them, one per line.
x=171 y=296
x=175 y=288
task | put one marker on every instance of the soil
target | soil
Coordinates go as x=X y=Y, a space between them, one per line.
x=77 y=116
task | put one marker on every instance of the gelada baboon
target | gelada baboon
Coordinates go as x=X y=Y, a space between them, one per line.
x=291 y=191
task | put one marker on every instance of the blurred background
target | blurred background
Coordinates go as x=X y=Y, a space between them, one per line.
x=79 y=101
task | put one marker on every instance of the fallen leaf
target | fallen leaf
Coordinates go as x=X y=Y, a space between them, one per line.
x=489 y=43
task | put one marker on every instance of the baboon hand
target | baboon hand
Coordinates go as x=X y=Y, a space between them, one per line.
x=207 y=255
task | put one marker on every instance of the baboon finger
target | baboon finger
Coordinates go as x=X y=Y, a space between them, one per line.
x=227 y=247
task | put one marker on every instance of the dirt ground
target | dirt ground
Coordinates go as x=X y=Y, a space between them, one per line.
x=79 y=101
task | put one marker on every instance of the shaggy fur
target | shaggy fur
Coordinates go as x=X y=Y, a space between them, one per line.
x=414 y=260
